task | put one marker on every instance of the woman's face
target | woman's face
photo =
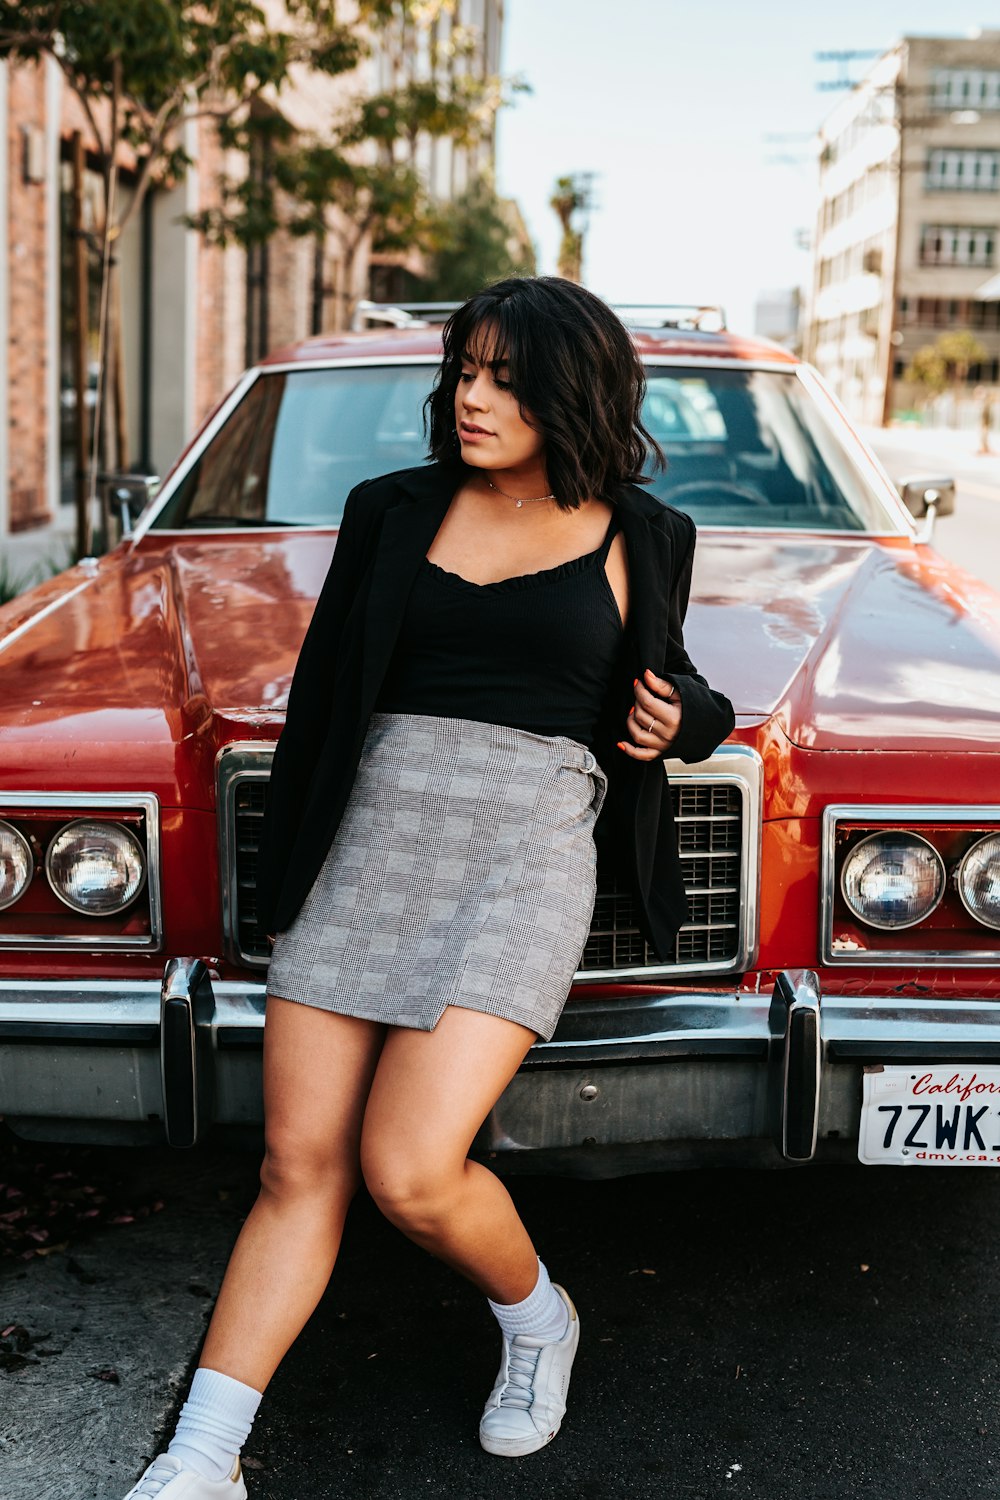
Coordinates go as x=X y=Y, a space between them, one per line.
x=491 y=430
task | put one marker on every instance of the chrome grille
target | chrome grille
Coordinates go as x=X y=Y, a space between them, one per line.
x=716 y=829
x=710 y=839
x=248 y=810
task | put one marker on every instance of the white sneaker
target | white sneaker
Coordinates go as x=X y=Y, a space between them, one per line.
x=168 y=1478
x=528 y=1400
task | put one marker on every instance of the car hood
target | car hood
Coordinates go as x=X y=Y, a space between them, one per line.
x=852 y=644
x=144 y=664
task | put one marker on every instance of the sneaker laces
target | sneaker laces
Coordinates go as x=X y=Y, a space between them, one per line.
x=522 y=1362
x=152 y=1482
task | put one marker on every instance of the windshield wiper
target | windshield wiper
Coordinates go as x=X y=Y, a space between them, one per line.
x=211 y=518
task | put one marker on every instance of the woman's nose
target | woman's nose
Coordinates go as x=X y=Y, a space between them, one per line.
x=474 y=394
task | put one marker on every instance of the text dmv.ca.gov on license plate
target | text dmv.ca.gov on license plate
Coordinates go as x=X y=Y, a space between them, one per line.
x=945 y=1115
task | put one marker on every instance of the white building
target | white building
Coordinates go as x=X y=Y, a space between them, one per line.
x=908 y=220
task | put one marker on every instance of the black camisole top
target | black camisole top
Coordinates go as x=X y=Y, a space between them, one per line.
x=535 y=652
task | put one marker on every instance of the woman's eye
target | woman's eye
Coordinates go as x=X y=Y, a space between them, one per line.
x=501 y=385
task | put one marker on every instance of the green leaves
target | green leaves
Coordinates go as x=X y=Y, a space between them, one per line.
x=476 y=239
x=173 y=51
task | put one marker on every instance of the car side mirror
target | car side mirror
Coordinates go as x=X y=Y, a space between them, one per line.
x=128 y=496
x=920 y=494
x=928 y=499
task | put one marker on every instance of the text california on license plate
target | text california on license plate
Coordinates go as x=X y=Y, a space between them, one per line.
x=944 y=1115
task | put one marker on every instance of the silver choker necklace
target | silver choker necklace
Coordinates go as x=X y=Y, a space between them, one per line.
x=526 y=500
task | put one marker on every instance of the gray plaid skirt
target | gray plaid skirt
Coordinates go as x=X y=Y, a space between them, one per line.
x=463 y=872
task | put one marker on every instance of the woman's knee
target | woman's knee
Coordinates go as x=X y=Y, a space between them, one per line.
x=411 y=1188
x=296 y=1165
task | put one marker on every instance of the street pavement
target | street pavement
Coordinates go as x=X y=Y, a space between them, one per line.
x=815 y=1334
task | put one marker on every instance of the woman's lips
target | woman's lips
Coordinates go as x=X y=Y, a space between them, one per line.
x=473 y=434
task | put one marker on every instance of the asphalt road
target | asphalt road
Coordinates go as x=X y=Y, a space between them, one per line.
x=818 y=1334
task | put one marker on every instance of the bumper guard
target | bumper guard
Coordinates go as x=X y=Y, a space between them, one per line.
x=749 y=1076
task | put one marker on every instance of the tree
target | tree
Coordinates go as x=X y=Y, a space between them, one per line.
x=958 y=351
x=365 y=166
x=141 y=70
x=470 y=246
x=572 y=194
x=927 y=370
x=945 y=362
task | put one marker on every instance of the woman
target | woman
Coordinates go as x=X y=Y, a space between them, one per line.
x=497 y=645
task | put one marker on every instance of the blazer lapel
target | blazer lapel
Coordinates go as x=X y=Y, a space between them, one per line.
x=407 y=531
x=650 y=568
x=651 y=571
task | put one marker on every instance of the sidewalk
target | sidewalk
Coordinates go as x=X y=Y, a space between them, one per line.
x=25 y=554
x=947 y=444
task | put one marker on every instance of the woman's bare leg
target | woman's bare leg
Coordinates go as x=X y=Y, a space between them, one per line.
x=431 y=1092
x=318 y=1067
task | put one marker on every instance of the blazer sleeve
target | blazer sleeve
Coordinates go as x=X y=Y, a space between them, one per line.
x=310 y=698
x=310 y=694
x=707 y=716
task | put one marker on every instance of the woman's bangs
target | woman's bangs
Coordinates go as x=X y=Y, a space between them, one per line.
x=485 y=341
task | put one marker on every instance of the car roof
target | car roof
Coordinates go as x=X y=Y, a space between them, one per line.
x=381 y=343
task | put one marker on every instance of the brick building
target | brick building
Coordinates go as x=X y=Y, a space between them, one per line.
x=194 y=315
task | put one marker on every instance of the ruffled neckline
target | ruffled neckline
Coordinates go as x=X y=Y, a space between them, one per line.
x=518 y=580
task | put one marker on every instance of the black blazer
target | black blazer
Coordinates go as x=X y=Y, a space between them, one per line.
x=389 y=523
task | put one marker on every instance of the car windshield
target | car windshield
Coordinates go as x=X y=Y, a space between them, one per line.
x=745 y=448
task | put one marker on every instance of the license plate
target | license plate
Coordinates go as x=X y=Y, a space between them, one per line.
x=947 y=1115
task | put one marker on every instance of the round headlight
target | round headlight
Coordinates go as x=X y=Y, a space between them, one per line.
x=892 y=880
x=96 y=868
x=17 y=865
x=979 y=880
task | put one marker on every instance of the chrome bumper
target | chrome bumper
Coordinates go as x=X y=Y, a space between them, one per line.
x=760 y=1079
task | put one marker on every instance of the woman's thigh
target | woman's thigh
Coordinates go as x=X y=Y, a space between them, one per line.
x=318 y=1068
x=431 y=1092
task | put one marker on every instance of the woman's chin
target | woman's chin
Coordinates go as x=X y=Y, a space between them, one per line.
x=476 y=458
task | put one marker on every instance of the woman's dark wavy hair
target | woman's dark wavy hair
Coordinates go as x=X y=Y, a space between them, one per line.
x=576 y=374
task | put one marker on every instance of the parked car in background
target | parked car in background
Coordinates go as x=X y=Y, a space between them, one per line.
x=836 y=992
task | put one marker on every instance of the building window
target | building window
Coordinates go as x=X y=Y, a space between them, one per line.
x=957 y=244
x=950 y=312
x=965 y=88
x=950 y=169
x=984 y=315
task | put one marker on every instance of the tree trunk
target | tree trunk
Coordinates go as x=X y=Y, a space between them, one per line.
x=318 y=284
x=117 y=356
x=81 y=312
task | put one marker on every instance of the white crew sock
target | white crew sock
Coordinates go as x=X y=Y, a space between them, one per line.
x=214 y=1423
x=543 y=1313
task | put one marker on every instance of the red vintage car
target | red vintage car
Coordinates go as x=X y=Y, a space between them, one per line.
x=836 y=993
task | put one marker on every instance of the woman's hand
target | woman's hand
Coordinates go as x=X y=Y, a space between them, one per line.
x=653 y=719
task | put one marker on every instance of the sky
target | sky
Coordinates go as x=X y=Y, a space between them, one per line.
x=672 y=105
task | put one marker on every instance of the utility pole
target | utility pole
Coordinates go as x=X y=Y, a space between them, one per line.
x=842 y=58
